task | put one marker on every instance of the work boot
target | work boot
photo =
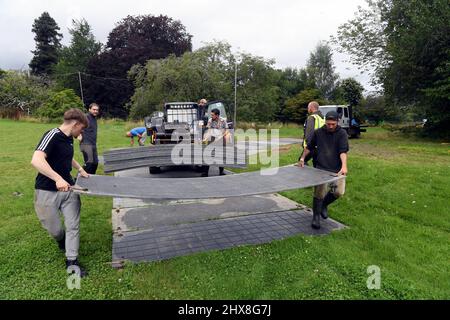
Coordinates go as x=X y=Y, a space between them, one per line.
x=69 y=263
x=329 y=198
x=62 y=243
x=317 y=208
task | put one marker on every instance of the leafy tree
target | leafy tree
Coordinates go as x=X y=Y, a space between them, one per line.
x=58 y=103
x=364 y=39
x=75 y=57
x=18 y=90
x=203 y=73
x=407 y=42
x=258 y=93
x=321 y=70
x=438 y=97
x=296 y=109
x=133 y=41
x=291 y=81
x=217 y=66
x=374 y=109
x=47 y=45
x=207 y=73
x=349 y=91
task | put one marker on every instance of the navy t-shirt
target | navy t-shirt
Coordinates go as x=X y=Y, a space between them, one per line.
x=59 y=150
x=90 y=133
x=329 y=146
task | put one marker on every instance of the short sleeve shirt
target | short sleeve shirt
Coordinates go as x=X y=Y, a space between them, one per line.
x=59 y=150
x=219 y=124
x=136 y=131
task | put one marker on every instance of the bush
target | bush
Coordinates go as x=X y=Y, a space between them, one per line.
x=58 y=103
x=296 y=109
x=21 y=93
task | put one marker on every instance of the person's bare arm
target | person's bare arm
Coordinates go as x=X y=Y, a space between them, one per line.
x=39 y=161
x=309 y=131
x=206 y=135
x=344 y=169
x=224 y=129
x=79 y=168
x=301 y=162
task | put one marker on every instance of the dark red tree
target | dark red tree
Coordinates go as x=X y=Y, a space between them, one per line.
x=134 y=40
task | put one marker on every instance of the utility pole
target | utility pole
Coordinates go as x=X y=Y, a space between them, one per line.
x=235 y=93
x=81 y=87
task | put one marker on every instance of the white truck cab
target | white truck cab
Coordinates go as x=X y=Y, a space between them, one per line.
x=345 y=119
x=343 y=112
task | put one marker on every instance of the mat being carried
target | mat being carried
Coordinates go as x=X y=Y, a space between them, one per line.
x=236 y=185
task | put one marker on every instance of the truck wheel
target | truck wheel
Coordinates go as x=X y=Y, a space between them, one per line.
x=154 y=170
x=198 y=168
x=348 y=132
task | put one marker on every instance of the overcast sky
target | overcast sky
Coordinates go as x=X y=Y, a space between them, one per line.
x=285 y=30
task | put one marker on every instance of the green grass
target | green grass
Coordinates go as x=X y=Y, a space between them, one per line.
x=396 y=207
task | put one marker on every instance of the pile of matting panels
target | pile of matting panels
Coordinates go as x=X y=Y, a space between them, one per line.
x=173 y=155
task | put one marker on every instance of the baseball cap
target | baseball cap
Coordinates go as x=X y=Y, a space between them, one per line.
x=332 y=115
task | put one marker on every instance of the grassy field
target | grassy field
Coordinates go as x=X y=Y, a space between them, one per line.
x=396 y=207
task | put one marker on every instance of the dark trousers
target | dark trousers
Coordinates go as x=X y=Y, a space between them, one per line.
x=206 y=168
x=90 y=157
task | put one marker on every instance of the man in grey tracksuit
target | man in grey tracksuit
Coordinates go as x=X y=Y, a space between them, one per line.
x=53 y=159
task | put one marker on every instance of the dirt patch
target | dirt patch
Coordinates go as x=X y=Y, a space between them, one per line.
x=285 y=148
x=396 y=153
x=373 y=151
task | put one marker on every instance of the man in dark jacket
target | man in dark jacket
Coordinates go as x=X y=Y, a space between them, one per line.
x=202 y=108
x=88 y=144
x=313 y=122
x=331 y=143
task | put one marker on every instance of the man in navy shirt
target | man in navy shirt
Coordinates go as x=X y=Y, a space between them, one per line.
x=331 y=143
x=88 y=143
x=53 y=159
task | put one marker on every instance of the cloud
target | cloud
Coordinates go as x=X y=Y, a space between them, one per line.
x=285 y=30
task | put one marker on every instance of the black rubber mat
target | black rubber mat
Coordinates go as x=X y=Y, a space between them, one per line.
x=178 y=240
x=236 y=185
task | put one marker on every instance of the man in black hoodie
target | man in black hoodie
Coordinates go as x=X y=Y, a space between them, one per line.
x=331 y=144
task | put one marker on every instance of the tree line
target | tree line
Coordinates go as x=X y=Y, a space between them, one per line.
x=148 y=60
x=407 y=45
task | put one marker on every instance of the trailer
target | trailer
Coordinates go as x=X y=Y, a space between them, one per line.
x=182 y=122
